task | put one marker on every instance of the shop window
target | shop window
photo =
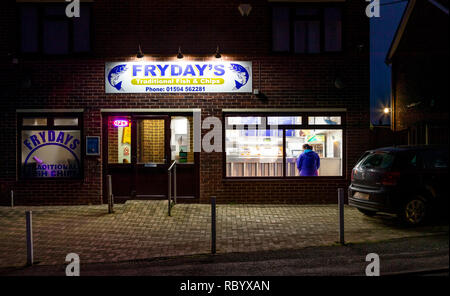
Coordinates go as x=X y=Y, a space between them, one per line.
x=254 y=153
x=119 y=140
x=48 y=151
x=271 y=149
x=181 y=141
x=245 y=120
x=46 y=29
x=326 y=143
x=66 y=121
x=306 y=30
x=34 y=121
x=324 y=120
x=281 y=120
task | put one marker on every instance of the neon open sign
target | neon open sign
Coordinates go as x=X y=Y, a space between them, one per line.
x=121 y=123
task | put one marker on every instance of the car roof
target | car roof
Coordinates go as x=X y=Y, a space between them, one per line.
x=408 y=148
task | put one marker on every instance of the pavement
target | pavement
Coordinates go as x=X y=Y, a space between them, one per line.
x=142 y=230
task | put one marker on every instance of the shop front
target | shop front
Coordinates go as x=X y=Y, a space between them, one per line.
x=236 y=154
x=231 y=99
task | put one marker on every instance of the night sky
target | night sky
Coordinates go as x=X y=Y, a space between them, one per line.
x=382 y=31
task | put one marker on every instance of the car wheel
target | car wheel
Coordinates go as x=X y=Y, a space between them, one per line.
x=367 y=212
x=414 y=211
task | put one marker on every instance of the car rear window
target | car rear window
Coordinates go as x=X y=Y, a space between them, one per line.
x=378 y=160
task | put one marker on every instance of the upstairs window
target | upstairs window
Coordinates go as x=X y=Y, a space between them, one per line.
x=306 y=29
x=46 y=29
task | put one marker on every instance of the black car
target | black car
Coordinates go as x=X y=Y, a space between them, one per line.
x=411 y=181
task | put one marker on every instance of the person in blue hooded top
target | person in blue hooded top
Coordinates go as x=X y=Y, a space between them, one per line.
x=308 y=162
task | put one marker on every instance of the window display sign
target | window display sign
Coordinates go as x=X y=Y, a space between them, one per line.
x=51 y=153
x=121 y=123
x=178 y=77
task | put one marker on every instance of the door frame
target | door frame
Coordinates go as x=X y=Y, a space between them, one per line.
x=137 y=113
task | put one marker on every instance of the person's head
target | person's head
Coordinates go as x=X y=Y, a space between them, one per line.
x=307 y=147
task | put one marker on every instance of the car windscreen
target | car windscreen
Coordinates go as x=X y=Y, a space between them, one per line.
x=377 y=160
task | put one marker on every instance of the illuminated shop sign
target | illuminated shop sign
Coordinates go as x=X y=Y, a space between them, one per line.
x=120 y=123
x=51 y=154
x=178 y=77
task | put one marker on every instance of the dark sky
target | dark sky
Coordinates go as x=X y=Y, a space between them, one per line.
x=382 y=31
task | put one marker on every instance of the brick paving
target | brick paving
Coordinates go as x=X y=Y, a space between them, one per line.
x=142 y=229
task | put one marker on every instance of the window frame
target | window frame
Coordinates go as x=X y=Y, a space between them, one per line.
x=293 y=17
x=40 y=31
x=50 y=126
x=304 y=126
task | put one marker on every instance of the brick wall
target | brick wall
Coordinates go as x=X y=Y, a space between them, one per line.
x=288 y=81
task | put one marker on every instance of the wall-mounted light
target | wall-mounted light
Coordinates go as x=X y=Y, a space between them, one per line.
x=179 y=55
x=338 y=83
x=386 y=110
x=218 y=55
x=244 y=9
x=140 y=54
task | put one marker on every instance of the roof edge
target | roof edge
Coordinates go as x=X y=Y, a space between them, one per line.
x=440 y=6
x=400 y=30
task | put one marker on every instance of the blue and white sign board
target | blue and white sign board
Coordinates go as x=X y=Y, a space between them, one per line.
x=178 y=77
x=51 y=154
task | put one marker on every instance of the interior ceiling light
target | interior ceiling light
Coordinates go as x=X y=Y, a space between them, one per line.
x=218 y=55
x=140 y=54
x=179 y=55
